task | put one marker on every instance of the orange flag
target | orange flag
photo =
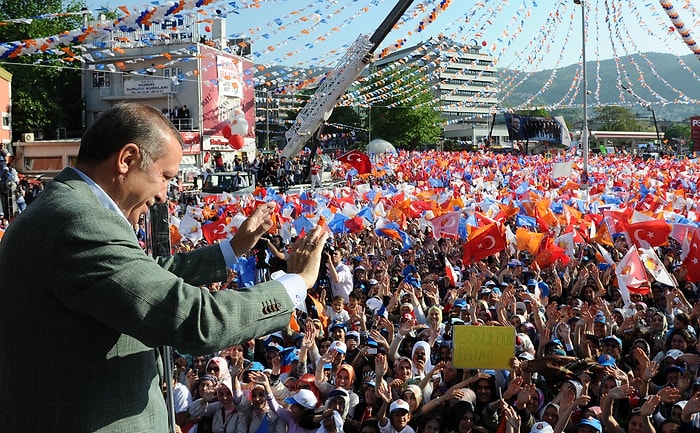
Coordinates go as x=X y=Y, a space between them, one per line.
x=527 y=240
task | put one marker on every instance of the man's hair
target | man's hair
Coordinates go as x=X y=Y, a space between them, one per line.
x=124 y=123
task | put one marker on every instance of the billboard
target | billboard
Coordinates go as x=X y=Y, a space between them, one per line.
x=227 y=85
x=532 y=128
x=695 y=132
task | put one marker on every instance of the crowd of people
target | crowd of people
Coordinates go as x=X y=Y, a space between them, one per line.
x=373 y=350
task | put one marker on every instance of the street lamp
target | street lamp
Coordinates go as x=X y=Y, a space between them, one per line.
x=584 y=128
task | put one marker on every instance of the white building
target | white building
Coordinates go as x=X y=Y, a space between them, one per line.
x=199 y=80
x=467 y=87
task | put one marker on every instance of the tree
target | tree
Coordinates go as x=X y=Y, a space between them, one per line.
x=678 y=130
x=615 y=118
x=409 y=119
x=45 y=90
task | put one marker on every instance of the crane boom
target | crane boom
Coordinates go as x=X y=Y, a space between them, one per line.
x=320 y=105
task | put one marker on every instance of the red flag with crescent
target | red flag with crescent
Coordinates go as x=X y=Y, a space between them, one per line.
x=483 y=242
x=652 y=233
x=358 y=160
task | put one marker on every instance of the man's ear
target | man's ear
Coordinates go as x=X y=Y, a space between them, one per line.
x=128 y=157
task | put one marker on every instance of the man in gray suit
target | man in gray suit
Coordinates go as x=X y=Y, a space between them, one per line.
x=83 y=306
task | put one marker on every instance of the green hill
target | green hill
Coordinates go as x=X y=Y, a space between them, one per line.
x=662 y=73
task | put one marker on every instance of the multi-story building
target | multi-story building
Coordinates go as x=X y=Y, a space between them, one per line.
x=467 y=84
x=198 y=80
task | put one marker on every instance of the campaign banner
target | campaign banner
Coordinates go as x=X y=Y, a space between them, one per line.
x=534 y=128
x=695 y=132
x=490 y=347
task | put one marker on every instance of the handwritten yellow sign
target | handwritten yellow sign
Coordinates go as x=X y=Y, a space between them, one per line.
x=483 y=347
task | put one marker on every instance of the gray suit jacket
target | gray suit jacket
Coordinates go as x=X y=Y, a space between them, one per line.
x=82 y=307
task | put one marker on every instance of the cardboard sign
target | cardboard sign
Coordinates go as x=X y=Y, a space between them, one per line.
x=489 y=347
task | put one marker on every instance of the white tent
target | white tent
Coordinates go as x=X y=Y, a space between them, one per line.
x=380 y=146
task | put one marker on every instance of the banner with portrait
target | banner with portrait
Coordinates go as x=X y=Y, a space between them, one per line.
x=533 y=128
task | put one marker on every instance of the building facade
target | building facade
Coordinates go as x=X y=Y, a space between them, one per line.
x=467 y=82
x=198 y=80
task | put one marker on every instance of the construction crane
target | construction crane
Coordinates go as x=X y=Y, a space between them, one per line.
x=319 y=108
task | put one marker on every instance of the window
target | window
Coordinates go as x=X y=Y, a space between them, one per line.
x=172 y=72
x=43 y=164
x=100 y=79
x=6 y=121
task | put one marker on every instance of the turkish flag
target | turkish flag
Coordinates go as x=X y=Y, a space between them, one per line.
x=652 y=233
x=483 y=242
x=451 y=274
x=358 y=160
x=446 y=224
x=692 y=260
x=214 y=230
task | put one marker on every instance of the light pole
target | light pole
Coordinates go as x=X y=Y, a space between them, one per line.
x=584 y=128
x=267 y=118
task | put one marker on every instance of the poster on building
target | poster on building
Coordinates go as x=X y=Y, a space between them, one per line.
x=146 y=87
x=483 y=346
x=695 y=132
x=534 y=128
x=190 y=143
x=227 y=85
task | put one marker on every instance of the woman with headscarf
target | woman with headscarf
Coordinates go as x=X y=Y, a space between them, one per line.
x=344 y=378
x=218 y=367
x=420 y=355
x=463 y=418
x=229 y=415
x=659 y=327
x=204 y=404
x=258 y=413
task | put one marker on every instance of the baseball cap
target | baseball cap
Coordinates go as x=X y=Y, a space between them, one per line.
x=399 y=405
x=526 y=356
x=613 y=339
x=674 y=353
x=606 y=360
x=672 y=368
x=339 y=346
x=337 y=325
x=592 y=422
x=353 y=334
x=273 y=346
x=304 y=398
x=541 y=427
x=600 y=317
x=520 y=306
x=256 y=366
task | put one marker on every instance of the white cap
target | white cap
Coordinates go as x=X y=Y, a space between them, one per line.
x=399 y=404
x=304 y=398
x=339 y=346
x=541 y=427
x=674 y=353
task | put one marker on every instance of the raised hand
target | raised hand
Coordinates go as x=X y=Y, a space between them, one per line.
x=305 y=258
x=250 y=231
